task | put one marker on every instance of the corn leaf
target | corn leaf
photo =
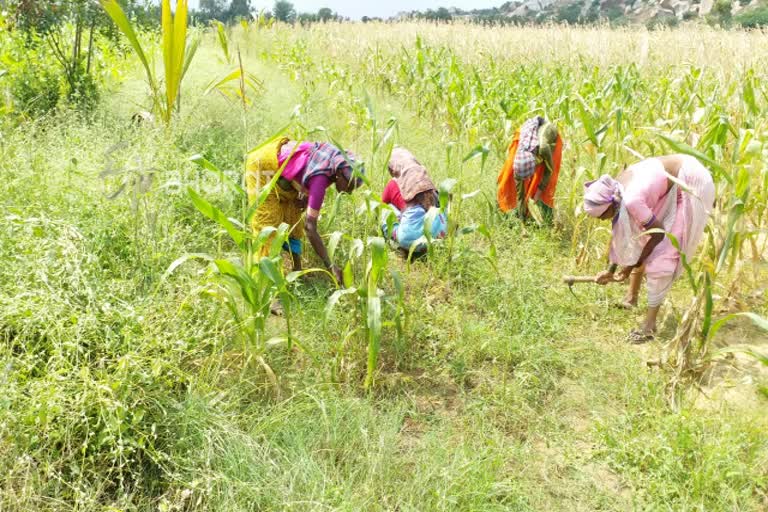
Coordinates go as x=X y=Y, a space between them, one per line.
x=685 y=149
x=200 y=161
x=174 y=47
x=334 y=299
x=758 y=320
x=183 y=259
x=223 y=41
x=192 y=48
x=377 y=267
x=238 y=274
x=113 y=9
x=217 y=216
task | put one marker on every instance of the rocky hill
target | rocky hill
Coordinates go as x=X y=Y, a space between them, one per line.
x=634 y=11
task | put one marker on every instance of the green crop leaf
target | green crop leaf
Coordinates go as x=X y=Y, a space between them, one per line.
x=756 y=319
x=174 y=47
x=183 y=259
x=200 y=161
x=334 y=299
x=269 y=269
x=217 y=216
x=190 y=53
x=681 y=147
x=113 y=9
x=333 y=243
x=373 y=314
x=237 y=273
x=223 y=41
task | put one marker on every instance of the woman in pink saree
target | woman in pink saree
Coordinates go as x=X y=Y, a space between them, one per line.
x=672 y=193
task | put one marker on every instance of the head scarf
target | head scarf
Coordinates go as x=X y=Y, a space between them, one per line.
x=600 y=194
x=528 y=147
x=328 y=160
x=410 y=175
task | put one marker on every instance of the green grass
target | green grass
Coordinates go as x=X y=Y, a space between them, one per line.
x=123 y=391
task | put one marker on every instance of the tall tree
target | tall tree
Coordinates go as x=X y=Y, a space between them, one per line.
x=240 y=9
x=325 y=14
x=284 y=11
x=213 y=10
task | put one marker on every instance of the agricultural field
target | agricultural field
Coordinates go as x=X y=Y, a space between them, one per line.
x=141 y=369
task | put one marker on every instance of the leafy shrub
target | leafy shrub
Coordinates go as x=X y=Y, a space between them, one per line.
x=755 y=18
x=35 y=89
x=662 y=22
x=570 y=13
x=721 y=13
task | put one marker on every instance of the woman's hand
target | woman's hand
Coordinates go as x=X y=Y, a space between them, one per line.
x=623 y=274
x=604 y=277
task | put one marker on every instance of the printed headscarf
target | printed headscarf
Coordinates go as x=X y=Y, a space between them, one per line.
x=600 y=194
x=527 y=149
x=410 y=175
x=328 y=160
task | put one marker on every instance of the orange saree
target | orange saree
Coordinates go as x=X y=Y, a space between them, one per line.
x=507 y=188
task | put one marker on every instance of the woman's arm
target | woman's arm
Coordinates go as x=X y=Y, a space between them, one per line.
x=316 y=188
x=310 y=227
x=656 y=239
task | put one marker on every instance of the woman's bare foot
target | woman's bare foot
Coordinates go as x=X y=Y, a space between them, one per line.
x=625 y=304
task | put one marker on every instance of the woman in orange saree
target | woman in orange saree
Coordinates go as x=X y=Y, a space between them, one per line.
x=532 y=169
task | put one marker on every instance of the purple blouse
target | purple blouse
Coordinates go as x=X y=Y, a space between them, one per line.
x=294 y=171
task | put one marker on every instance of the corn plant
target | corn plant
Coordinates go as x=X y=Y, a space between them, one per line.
x=248 y=285
x=612 y=114
x=177 y=53
x=368 y=299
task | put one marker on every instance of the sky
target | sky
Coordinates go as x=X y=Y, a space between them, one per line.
x=356 y=9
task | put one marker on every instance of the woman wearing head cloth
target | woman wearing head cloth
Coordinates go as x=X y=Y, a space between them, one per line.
x=308 y=169
x=647 y=196
x=410 y=194
x=532 y=168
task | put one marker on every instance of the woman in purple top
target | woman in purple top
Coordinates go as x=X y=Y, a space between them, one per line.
x=311 y=168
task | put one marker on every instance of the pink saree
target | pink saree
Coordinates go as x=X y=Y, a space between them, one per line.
x=683 y=210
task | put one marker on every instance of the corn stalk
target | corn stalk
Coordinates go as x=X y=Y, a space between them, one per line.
x=177 y=55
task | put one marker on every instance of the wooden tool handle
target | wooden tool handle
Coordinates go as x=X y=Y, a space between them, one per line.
x=569 y=280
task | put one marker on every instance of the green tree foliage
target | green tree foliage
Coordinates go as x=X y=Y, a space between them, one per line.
x=325 y=14
x=212 y=10
x=755 y=18
x=65 y=29
x=441 y=14
x=223 y=10
x=239 y=9
x=284 y=11
x=569 y=13
x=721 y=12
